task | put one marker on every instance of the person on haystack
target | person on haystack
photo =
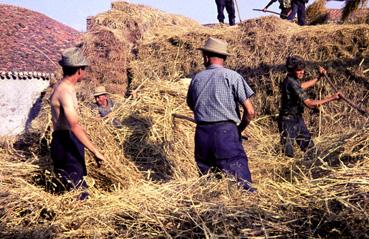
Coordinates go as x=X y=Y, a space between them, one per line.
x=284 y=5
x=104 y=105
x=229 y=6
x=214 y=95
x=293 y=100
x=298 y=7
x=69 y=138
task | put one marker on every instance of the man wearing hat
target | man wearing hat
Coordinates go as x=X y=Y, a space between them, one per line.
x=214 y=96
x=103 y=103
x=69 y=138
x=291 y=123
x=229 y=6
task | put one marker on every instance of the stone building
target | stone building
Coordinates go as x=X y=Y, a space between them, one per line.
x=30 y=47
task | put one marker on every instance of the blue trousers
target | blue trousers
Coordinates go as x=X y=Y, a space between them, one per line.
x=297 y=6
x=229 y=6
x=218 y=146
x=68 y=156
x=293 y=129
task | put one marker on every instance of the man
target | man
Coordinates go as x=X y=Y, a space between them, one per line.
x=229 y=6
x=214 y=96
x=298 y=6
x=284 y=5
x=291 y=123
x=69 y=138
x=103 y=103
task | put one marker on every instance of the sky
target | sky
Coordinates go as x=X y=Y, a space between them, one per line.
x=74 y=13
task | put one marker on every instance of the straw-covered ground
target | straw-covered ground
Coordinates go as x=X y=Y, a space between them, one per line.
x=149 y=186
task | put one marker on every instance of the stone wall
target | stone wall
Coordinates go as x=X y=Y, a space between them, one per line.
x=19 y=101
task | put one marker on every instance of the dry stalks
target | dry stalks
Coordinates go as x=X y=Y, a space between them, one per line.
x=149 y=187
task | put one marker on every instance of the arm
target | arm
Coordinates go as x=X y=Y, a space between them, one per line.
x=311 y=83
x=189 y=99
x=307 y=84
x=316 y=103
x=72 y=119
x=268 y=5
x=248 y=114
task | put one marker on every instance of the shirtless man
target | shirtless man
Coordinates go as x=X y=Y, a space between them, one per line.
x=69 y=138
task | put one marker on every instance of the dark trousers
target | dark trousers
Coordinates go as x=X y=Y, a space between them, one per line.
x=229 y=6
x=293 y=128
x=218 y=146
x=68 y=156
x=298 y=7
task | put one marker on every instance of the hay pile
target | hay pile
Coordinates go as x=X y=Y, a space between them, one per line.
x=150 y=188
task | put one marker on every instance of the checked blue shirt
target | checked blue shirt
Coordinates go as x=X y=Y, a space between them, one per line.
x=215 y=94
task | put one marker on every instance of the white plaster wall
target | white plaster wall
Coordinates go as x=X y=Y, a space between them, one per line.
x=16 y=100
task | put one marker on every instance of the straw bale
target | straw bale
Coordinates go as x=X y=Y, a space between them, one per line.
x=316 y=13
x=149 y=186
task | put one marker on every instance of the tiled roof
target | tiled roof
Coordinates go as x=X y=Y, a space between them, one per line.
x=31 y=41
x=25 y=75
x=334 y=15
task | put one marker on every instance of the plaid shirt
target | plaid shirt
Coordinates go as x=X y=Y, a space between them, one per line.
x=215 y=94
x=293 y=97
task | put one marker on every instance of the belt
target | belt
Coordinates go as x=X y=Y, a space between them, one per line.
x=214 y=122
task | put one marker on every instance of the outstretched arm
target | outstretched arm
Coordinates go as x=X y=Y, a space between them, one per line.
x=268 y=5
x=316 y=103
x=311 y=83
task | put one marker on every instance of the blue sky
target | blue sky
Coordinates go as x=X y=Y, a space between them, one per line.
x=74 y=13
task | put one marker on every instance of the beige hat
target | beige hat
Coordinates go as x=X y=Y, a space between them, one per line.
x=100 y=90
x=73 y=57
x=216 y=46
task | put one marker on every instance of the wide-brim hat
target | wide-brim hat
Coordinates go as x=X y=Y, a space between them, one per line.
x=100 y=90
x=217 y=46
x=73 y=57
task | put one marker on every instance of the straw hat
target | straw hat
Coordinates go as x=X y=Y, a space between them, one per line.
x=73 y=57
x=216 y=46
x=100 y=90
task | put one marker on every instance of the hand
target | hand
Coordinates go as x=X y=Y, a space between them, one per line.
x=99 y=158
x=322 y=71
x=337 y=96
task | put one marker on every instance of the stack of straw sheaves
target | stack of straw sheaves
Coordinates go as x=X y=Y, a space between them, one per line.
x=149 y=187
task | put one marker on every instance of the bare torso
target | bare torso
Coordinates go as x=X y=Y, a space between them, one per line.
x=63 y=92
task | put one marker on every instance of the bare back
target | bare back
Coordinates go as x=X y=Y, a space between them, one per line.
x=63 y=99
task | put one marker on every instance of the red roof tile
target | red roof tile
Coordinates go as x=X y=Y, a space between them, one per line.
x=334 y=15
x=31 y=41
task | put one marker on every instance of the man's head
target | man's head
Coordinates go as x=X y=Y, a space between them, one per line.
x=296 y=66
x=73 y=62
x=214 y=51
x=101 y=96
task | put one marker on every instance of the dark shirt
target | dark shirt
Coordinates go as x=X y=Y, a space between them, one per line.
x=293 y=97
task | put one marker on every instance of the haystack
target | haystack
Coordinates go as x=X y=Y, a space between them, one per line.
x=150 y=186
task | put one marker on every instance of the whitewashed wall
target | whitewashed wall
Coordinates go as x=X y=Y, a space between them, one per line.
x=17 y=97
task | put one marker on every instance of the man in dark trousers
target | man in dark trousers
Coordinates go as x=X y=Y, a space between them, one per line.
x=284 y=5
x=229 y=6
x=69 y=138
x=214 y=96
x=298 y=6
x=291 y=123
